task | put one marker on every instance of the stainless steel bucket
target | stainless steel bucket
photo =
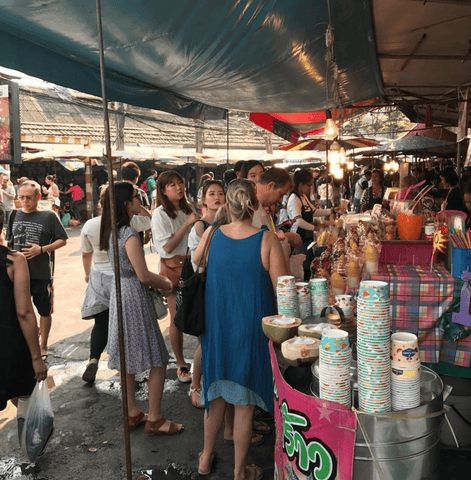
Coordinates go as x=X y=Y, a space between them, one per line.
x=405 y=444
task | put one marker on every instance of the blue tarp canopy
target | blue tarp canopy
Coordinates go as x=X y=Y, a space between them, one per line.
x=198 y=58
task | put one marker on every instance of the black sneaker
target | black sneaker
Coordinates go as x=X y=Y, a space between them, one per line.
x=90 y=373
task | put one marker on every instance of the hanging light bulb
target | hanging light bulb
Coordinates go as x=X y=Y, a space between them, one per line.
x=342 y=156
x=334 y=157
x=331 y=130
x=394 y=166
x=335 y=146
x=387 y=167
x=350 y=165
x=336 y=171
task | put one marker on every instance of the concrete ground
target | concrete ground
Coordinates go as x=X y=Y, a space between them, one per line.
x=88 y=442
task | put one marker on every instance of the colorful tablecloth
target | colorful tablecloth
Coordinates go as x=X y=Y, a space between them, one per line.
x=419 y=297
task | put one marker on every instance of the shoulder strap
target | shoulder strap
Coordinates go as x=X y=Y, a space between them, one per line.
x=204 y=258
x=10 y=228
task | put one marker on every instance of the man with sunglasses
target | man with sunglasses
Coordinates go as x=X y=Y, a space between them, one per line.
x=37 y=234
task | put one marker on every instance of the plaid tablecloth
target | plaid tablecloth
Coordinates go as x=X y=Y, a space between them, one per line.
x=419 y=297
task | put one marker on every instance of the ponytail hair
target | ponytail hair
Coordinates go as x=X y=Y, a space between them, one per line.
x=52 y=178
x=241 y=198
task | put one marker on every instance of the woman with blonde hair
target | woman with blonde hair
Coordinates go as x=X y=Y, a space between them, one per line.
x=235 y=361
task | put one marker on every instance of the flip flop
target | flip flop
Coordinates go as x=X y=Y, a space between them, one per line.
x=201 y=472
x=253 y=472
x=257 y=439
x=261 y=427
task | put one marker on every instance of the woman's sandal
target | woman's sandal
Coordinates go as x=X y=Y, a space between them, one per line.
x=261 y=427
x=202 y=472
x=139 y=419
x=253 y=472
x=152 y=428
x=195 y=394
x=256 y=439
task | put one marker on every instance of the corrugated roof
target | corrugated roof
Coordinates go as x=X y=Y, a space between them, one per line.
x=49 y=112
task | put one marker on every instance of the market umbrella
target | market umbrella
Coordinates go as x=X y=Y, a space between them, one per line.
x=414 y=144
x=322 y=144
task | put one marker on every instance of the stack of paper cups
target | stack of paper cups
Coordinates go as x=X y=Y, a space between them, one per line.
x=319 y=295
x=334 y=367
x=304 y=299
x=373 y=347
x=405 y=371
x=287 y=298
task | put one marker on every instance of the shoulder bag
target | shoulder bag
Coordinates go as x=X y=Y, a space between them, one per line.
x=190 y=317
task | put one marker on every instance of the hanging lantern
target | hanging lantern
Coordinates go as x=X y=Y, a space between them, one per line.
x=342 y=156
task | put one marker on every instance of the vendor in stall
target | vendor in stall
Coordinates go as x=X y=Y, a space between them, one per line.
x=375 y=194
x=302 y=212
x=454 y=199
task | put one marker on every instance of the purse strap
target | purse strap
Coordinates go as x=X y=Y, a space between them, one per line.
x=204 y=258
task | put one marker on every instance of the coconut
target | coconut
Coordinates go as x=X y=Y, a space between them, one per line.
x=300 y=350
x=280 y=327
x=314 y=330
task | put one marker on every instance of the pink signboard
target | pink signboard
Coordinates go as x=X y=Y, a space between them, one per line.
x=315 y=438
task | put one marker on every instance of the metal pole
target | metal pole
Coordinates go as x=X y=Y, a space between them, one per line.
x=227 y=146
x=114 y=233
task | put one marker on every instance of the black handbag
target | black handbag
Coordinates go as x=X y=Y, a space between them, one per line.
x=190 y=316
x=187 y=272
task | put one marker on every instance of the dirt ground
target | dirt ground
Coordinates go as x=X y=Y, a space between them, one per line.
x=88 y=441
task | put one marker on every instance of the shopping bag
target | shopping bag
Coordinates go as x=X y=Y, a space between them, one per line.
x=38 y=424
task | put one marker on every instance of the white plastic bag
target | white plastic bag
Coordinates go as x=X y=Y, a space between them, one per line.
x=296 y=266
x=38 y=424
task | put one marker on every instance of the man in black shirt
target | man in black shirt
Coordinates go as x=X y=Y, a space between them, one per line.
x=37 y=234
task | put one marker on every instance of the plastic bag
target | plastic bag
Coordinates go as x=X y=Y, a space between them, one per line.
x=296 y=266
x=37 y=427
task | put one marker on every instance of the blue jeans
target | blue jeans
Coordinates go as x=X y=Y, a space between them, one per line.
x=76 y=209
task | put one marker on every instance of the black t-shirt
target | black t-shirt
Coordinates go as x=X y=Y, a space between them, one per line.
x=42 y=228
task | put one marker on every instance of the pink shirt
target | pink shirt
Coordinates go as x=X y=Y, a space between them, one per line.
x=76 y=193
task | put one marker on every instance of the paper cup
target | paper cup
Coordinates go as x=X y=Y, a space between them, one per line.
x=335 y=341
x=373 y=290
x=404 y=348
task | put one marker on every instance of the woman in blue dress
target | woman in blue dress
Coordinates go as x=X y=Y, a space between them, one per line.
x=244 y=263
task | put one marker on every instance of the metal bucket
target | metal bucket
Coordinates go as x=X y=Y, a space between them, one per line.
x=405 y=444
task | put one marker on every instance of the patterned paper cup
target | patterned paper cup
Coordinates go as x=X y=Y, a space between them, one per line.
x=405 y=348
x=373 y=290
x=345 y=302
x=335 y=341
x=287 y=281
x=318 y=285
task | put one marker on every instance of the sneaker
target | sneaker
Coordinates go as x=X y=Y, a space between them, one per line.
x=184 y=374
x=90 y=372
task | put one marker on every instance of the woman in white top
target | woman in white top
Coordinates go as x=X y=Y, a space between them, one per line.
x=326 y=192
x=99 y=277
x=213 y=197
x=302 y=212
x=171 y=223
x=52 y=191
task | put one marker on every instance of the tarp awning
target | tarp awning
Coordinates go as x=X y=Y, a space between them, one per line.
x=197 y=59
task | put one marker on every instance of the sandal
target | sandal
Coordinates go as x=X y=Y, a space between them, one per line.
x=139 y=419
x=152 y=428
x=202 y=472
x=261 y=427
x=195 y=395
x=184 y=374
x=253 y=472
x=256 y=439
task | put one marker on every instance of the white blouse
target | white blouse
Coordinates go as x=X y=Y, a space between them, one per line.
x=163 y=229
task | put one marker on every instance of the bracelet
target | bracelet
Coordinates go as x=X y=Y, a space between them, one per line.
x=41 y=250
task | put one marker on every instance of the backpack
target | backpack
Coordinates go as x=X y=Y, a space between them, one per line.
x=144 y=186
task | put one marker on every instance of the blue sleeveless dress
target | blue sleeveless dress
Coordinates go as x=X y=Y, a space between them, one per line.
x=239 y=293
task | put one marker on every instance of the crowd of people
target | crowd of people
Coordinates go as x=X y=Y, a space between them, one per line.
x=263 y=216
